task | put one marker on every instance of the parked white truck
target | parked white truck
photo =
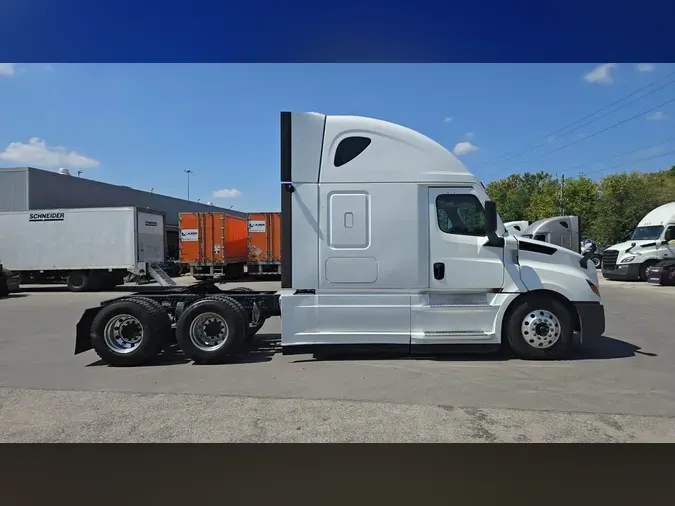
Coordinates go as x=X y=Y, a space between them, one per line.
x=650 y=243
x=88 y=249
x=388 y=243
x=516 y=227
x=559 y=230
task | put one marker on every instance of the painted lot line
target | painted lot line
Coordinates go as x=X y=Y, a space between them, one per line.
x=67 y=416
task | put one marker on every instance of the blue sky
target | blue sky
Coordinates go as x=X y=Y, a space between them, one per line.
x=142 y=125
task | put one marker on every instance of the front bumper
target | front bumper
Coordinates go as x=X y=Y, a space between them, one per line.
x=591 y=318
x=622 y=272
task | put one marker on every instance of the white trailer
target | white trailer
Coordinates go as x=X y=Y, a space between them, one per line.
x=89 y=249
x=388 y=243
x=652 y=241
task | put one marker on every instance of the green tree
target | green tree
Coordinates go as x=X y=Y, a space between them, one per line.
x=513 y=194
x=508 y=195
x=580 y=197
x=624 y=198
x=544 y=200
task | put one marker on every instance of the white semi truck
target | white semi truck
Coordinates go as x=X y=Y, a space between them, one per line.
x=650 y=243
x=516 y=227
x=388 y=243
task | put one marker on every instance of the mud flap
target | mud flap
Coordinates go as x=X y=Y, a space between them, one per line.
x=83 y=336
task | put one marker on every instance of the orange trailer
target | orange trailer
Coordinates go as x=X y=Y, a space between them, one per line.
x=264 y=243
x=213 y=244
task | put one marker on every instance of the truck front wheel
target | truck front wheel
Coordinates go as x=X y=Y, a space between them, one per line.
x=644 y=267
x=130 y=331
x=540 y=328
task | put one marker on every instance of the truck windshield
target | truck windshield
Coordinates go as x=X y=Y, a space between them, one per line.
x=647 y=233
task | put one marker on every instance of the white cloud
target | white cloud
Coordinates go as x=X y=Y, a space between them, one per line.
x=448 y=119
x=36 y=152
x=602 y=74
x=657 y=116
x=7 y=69
x=464 y=148
x=468 y=135
x=227 y=194
x=644 y=67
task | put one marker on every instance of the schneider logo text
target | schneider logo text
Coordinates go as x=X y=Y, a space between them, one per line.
x=46 y=216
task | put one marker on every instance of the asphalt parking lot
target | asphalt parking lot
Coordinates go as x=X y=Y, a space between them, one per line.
x=620 y=388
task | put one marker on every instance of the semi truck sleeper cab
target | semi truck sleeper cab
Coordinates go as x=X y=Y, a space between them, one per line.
x=650 y=243
x=388 y=243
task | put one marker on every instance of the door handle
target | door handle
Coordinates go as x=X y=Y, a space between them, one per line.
x=439 y=270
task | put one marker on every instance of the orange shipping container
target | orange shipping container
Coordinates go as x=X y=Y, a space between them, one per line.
x=213 y=238
x=264 y=237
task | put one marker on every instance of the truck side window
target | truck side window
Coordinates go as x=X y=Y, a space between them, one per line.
x=540 y=237
x=350 y=148
x=460 y=214
x=670 y=232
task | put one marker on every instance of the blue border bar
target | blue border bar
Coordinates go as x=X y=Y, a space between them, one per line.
x=345 y=31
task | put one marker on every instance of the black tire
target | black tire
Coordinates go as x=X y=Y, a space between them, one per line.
x=78 y=281
x=241 y=289
x=230 y=311
x=253 y=328
x=644 y=267
x=174 y=289
x=597 y=261
x=529 y=349
x=155 y=323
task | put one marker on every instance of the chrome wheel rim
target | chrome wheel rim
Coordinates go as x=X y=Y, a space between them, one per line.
x=123 y=333
x=540 y=329
x=596 y=262
x=209 y=332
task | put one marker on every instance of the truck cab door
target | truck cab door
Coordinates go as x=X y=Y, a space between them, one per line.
x=668 y=249
x=461 y=259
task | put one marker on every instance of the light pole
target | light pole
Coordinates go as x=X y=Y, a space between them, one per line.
x=188 y=172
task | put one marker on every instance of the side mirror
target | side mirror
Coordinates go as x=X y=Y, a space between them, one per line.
x=490 y=217
x=491 y=223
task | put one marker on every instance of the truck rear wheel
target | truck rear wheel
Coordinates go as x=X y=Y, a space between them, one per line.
x=253 y=328
x=78 y=281
x=130 y=331
x=211 y=328
x=540 y=328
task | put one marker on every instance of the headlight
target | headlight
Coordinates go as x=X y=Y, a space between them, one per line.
x=628 y=260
